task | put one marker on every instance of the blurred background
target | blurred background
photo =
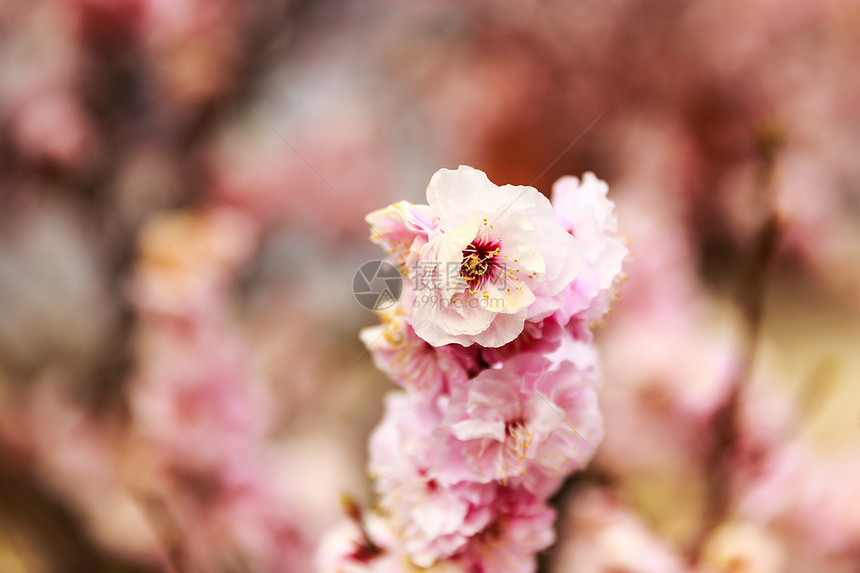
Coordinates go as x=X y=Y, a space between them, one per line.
x=182 y=193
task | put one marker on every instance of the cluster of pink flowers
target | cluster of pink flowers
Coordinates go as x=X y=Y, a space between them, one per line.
x=491 y=342
x=198 y=412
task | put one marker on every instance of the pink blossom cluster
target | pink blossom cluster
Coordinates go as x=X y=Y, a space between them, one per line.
x=499 y=372
x=199 y=417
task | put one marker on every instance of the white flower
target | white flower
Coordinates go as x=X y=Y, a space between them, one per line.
x=486 y=257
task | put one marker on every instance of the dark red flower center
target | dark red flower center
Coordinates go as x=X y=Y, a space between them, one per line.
x=479 y=263
x=514 y=425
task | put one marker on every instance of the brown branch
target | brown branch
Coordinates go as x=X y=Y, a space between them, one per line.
x=751 y=288
x=49 y=525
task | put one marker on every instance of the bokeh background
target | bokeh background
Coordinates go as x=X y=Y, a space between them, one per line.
x=182 y=192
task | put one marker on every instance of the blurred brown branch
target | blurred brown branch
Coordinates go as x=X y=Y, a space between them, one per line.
x=750 y=291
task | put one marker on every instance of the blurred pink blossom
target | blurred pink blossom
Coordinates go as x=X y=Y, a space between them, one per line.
x=602 y=535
